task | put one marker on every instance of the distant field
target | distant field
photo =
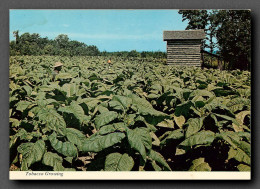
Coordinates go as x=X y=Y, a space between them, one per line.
x=135 y=114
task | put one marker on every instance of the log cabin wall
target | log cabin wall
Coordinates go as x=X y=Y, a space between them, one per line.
x=184 y=47
x=184 y=52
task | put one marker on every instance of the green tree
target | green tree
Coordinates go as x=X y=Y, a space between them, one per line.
x=133 y=53
x=34 y=44
x=234 y=37
x=230 y=28
x=62 y=40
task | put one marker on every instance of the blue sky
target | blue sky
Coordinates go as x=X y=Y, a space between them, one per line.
x=110 y=30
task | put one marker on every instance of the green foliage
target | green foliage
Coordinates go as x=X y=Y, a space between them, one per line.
x=105 y=118
x=118 y=162
x=64 y=148
x=140 y=140
x=230 y=28
x=200 y=165
x=136 y=115
x=98 y=143
x=31 y=153
x=33 y=44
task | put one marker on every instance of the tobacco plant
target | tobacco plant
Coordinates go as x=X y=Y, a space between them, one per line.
x=134 y=115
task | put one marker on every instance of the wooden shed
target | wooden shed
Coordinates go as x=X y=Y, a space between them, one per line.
x=184 y=47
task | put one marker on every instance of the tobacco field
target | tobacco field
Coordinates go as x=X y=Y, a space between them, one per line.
x=135 y=115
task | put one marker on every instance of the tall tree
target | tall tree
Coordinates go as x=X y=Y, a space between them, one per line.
x=234 y=37
x=197 y=19
x=230 y=28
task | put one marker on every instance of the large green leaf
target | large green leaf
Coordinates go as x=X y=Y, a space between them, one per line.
x=243 y=167
x=173 y=135
x=179 y=120
x=105 y=118
x=239 y=155
x=119 y=162
x=75 y=137
x=98 y=143
x=53 y=160
x=124 y=101
x=116 y=105
x=53 y=120
x=144 y=107
x=238 y=104
x=200 y=138
x=91 y=102
x=227 y=118
x=64 y=148
x=166 y=123
x=75 y=109
x=23 y=105
x=63 y=76
x=200 y=165
x=140 y=139
x=156 y=156
x=194 y=125
x=240 y=119
x=69 y=89
x=31 y=153
x=239 y=150
x=112 y=128
x=201 y=93
x=230 y=137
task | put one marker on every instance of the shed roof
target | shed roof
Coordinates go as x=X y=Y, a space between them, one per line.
x=183 y=34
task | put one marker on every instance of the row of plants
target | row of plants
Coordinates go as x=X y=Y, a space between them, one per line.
x=133 y=115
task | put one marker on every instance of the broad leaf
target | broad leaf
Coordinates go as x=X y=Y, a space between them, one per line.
x=144 y=107
x=112 y=128
x=199 y=165
x=200 y=138
x=53 y=120
x=98 y=143
x=239 y=155
x=166 y=123
x=243 y=167
x=179 y=120
x=75 y=109
x=156 y=156
x=105 y=118
x=119 y=162
x=240 y=119
x=31 y=153
x=23 y=105
x=140 y=139
x=64 y=148
x=194 y=125
x=75 y=137
x=173 y=135
x=53 y=160
x=124 y=101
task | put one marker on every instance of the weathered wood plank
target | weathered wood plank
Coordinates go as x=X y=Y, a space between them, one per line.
x=183 y=46
x=184 y=52
x=184 y=42
x=180 y=59
x=184 y=56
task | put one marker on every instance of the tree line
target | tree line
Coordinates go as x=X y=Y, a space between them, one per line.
x=229 y=31
x=35 y=45
x=134 y=53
